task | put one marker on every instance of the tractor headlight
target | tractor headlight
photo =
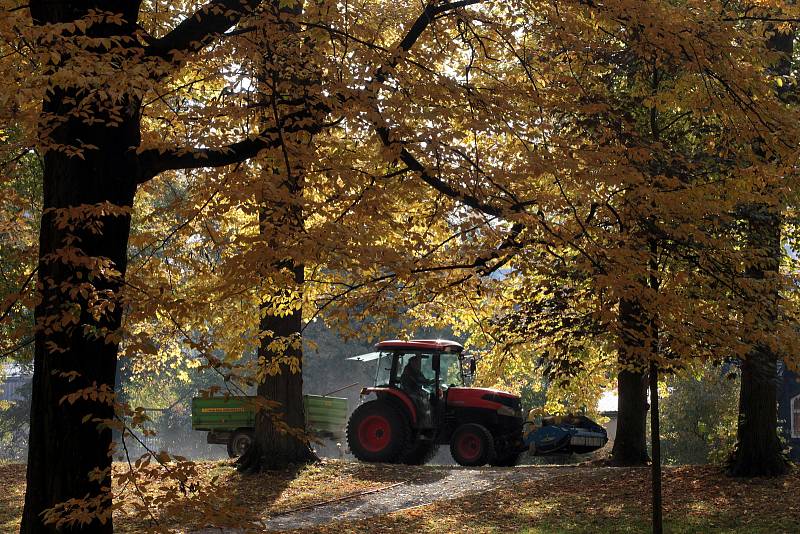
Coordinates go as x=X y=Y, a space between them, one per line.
x=505 y=410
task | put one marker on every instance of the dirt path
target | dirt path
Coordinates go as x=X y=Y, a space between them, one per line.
x=437 y=484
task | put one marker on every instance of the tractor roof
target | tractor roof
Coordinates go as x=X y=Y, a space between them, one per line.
x=421 y=344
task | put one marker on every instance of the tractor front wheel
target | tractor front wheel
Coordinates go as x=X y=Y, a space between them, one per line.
x=378 y=432
x=472 y=445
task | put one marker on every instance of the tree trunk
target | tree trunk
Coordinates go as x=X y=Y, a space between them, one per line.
x=86 y=220
x=655 y=440
x=62 y=448
x=758 y=449
x=630 y=442
x=274 y=447
x=280 y=438
x=655 y=424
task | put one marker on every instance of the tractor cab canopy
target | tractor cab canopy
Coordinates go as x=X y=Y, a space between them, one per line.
x=440 y=362
x=434 y=345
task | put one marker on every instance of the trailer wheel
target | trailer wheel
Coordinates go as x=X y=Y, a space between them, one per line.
x=239 y=442
x=378 y=432
x=472 y=445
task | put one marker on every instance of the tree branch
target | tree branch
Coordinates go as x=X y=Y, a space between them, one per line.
x=19 y=346
x=154 y=161
x=27 y=281
x=200 y=28
x=443 y=187
x=432 y=10
x=211 y=21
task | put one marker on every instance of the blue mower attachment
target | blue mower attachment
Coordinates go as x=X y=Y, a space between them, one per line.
x=564 y=435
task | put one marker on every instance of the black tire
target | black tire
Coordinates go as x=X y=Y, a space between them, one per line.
x=378 y=432
x=239 y=442
x=472 y=445
x=419 y=452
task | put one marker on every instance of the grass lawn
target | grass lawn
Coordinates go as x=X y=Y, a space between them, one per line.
x=697 y=499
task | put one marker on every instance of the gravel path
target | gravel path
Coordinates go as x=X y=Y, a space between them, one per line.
x=438 y=484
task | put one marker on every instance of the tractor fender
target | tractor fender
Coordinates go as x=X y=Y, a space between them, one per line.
x=397 y=395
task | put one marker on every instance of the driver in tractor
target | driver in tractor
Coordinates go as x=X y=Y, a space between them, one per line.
x=412 y=381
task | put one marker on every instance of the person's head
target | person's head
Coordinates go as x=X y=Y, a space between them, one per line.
x=416 y=362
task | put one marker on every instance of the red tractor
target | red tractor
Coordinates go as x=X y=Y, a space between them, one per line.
x=421 y=401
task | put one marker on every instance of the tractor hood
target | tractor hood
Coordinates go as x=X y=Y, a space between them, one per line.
x=486 y=391
x=487 y=398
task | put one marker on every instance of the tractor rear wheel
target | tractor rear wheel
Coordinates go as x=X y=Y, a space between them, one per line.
x=378 y=432
x=472 y=445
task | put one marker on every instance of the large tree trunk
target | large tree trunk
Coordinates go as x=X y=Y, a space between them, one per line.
x=758 y=449
x=280 y=438
x=276 y=446
x=86 y=222
x=630 y=442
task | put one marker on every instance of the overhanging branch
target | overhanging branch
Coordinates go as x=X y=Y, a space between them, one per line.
x=154 y=161
x=200 y=28
x=445 y=188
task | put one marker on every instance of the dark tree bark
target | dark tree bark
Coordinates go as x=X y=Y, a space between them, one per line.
x=655 y=471
x=280 y=438
x=63 y=449
x=275 y=447
x=758 y=449
x=655 y=423
x=630 y=442
x=86 y=223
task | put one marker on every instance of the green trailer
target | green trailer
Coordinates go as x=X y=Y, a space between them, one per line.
x=231 y=420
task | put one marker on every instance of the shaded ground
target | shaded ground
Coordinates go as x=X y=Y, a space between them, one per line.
x=214 y=493
x=533 y=500
x=436 y=484
x=12 y=479
x=603 y=500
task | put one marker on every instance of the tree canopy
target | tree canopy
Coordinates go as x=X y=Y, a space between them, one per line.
x=577 y=188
